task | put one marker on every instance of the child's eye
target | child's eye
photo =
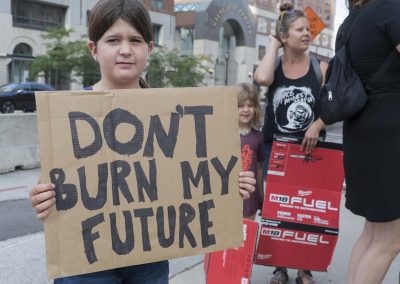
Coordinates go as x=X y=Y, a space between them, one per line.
x=136 y=40
x=112 y=40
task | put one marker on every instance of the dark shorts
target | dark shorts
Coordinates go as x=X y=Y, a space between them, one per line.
x=149 y=273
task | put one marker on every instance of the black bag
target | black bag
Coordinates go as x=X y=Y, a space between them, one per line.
x=343 y=94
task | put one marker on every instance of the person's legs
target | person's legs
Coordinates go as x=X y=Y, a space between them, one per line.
x=359 y=249
x=280 y=276
x=267 y=152
x=251 y=217
x=383 y=248
x=149 y=273
x=304 y=277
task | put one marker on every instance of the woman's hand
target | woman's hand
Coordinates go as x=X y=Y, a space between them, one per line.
x=42 y=198
x=311 y=136
x=275 y=42
x=247 y=183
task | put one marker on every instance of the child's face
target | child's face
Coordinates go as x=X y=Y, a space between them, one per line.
x=122 y=55
x=246 y=113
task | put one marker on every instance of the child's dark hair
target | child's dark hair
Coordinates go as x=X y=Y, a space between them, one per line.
x=248 y=92
x=106 y=12
x=287 y=16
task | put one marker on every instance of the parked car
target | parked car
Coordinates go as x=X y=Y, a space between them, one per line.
x=20 y=96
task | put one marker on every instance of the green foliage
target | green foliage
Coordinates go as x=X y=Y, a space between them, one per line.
x=170 y=69
x=63 y=58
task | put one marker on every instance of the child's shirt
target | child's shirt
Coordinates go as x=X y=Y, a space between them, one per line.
x=252 y=152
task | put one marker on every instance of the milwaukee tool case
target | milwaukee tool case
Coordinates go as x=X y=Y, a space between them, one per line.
x=300 y=216
x=233 y=265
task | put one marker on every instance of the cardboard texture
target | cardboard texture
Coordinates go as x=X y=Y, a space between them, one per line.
x=141 y=175
x=300 y=215
x=234 y=265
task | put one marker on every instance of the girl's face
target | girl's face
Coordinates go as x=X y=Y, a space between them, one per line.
x=122 y=55
x=246 y=113
x=299 y=35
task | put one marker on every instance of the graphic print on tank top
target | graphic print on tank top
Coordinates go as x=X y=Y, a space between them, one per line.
x=293 y=108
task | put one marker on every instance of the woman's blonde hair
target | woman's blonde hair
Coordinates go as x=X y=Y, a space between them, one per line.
x=248 y=92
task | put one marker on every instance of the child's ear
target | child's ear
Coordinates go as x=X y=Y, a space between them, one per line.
x=93 y=49
x=151 y=47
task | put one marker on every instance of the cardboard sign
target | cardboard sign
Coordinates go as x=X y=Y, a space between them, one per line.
x=233 y=265
x=300 y=215
x=141 y=175
x=316 y=24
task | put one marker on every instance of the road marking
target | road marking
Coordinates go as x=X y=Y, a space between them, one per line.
x=13 y=188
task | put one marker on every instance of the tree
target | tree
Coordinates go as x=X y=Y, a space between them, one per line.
x=170 y=69
x=63 y=59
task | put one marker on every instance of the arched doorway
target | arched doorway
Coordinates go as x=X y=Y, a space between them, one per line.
x=230 y=36
x=18 y=68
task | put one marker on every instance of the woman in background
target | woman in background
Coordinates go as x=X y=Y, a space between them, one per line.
x=371 y=139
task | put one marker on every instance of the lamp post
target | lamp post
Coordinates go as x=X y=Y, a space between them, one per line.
x=226 y=67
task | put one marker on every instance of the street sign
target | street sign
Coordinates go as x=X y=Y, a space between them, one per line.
x=316 y=24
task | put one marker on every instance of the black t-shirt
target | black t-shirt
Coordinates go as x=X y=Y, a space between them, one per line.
x=291 y=104
x=368 y=50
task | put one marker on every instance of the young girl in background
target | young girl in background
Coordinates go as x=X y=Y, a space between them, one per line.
x=252 y=146
x=120 y=40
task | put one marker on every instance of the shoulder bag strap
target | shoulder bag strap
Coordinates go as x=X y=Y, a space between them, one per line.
x=317 y=68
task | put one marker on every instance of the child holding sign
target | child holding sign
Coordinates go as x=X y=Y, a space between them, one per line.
x=252 y=145
x=120 y=40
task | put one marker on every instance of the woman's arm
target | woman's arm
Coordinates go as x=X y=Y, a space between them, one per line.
x=311 y=136
x=323 y=65
x=264 y=73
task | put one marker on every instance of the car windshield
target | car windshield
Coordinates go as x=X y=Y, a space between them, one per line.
x=8 y=87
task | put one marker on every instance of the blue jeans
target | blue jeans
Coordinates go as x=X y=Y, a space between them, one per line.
x=149 y=273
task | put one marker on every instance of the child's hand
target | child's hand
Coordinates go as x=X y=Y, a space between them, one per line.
x=42 y=198
x=247 y=183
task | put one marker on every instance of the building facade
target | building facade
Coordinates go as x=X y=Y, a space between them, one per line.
x=25 y=21
x=233 y=32
x=236 y=33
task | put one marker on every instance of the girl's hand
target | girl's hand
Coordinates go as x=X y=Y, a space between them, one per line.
x=247 y=183
x=311 y=136
x=42 y=198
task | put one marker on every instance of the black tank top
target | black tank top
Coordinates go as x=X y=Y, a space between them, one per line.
x=291 y=105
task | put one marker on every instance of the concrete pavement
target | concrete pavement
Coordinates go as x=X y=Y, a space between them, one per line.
x=22 y=250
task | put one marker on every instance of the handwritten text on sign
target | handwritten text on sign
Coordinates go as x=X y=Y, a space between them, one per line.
x=150 y=182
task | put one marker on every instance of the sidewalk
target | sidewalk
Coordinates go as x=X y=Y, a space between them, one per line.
x=22 y=259
x=350 y=227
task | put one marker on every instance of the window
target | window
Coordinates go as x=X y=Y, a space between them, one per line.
x=158 y=4
x=186 y=40
x=156 y=34
x=18 y=69
x=262 y=25
x=35 y=15
x=261 y=52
